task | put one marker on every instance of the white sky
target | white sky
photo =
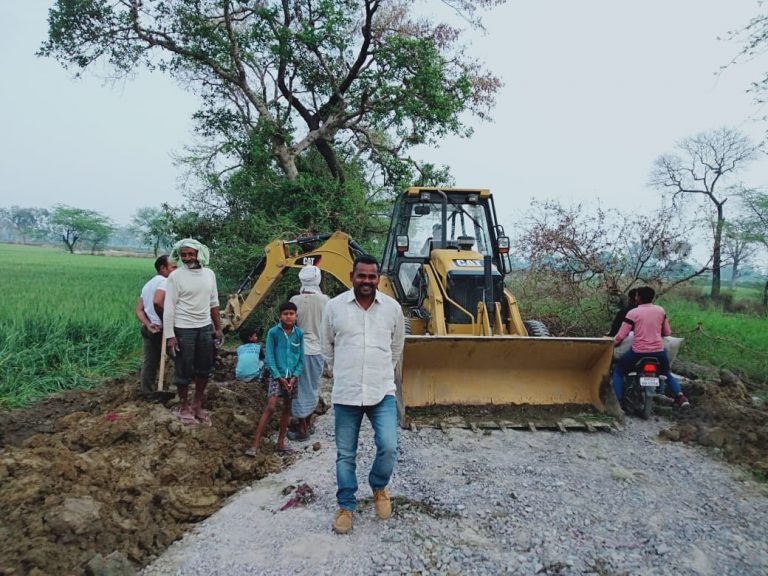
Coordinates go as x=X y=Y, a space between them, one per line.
x=594 y=91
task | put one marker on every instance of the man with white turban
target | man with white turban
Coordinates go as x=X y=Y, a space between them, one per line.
x=310 y=303
x=191 y=320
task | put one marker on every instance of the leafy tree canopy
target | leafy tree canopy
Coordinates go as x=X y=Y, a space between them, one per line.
x=154 y=226
x=78 y=224
x=357 y=81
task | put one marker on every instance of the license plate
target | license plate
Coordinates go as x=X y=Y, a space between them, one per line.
x=650 y=382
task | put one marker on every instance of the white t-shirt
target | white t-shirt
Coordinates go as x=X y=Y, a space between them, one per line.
x=148 y=298
x=189 y=297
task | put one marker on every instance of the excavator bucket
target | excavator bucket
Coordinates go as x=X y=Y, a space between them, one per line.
x=472 y=370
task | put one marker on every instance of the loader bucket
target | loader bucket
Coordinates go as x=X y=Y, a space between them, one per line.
x=472 y=370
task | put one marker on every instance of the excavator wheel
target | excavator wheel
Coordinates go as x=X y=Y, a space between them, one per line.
x=536 y=329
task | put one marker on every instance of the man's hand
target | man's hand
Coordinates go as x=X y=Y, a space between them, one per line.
x=219 y=333
x=172 y=347
x=154 y=328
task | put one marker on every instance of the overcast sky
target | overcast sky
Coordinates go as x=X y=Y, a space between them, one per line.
x=594 y=91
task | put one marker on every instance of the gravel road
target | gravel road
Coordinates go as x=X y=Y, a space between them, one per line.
x=508 y=502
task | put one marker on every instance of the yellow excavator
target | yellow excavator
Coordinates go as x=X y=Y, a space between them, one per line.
x=466 y=343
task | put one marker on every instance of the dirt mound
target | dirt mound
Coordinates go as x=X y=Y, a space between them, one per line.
x=727 y=415
x=101 y=471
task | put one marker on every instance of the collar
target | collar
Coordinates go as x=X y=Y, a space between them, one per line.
x=349 y=296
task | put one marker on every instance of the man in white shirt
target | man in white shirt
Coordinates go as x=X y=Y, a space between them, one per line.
x=190 y=321
x=362 y=340
x=152 y=325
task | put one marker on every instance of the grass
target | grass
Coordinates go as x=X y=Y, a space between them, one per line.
x=67 y=320
x=716 y=338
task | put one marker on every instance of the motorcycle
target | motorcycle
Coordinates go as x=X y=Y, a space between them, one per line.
x=642 y=386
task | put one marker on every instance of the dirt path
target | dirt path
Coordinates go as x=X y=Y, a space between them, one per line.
x=501 y=503
x=101 y=472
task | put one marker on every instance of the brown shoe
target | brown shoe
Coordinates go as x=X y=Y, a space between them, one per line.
x=382 y=503
x=342 y=524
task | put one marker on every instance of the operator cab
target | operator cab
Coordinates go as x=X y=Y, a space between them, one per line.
x=427 y=219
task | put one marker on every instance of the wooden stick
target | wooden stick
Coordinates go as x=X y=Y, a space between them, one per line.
x=161 y=377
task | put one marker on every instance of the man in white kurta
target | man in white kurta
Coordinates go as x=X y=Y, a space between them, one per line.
x=191 y=320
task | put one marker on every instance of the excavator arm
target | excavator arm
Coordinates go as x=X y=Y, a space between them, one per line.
x=335 y=256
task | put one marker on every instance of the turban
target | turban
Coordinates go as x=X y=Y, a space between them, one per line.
x=310 y=276
x=203 y=256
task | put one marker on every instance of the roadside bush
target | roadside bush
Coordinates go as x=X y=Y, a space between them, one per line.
x=749 y=307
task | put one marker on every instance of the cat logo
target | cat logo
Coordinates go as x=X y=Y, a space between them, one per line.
x=477 y=263
x=310 y=260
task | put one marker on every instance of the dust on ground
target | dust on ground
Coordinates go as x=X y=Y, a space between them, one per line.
x=99 y=472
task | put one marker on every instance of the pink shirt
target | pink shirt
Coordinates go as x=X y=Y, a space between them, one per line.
x=650 y=325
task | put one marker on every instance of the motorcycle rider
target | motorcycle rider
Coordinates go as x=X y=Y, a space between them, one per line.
x=649 y=323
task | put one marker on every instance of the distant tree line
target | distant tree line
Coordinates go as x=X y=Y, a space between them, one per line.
x=82 y=229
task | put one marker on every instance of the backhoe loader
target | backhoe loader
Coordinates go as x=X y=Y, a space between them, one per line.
x=466 y=343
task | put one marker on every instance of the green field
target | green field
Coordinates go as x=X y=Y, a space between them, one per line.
x=712 y=337
x=67 y=320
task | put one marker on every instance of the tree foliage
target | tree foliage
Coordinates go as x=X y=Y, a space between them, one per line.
x=310 y=109
x=755 y=204
x=27 y=222
x=754 y=43
x=154 y=226
x=698 y=171
x=587 y=258
x=73 y=225
x=353 y=80
x=738 y=245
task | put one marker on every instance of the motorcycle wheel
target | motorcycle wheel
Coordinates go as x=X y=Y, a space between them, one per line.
x=647 y=406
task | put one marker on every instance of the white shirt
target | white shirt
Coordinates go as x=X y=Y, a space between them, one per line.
x=309 y=317
x=148 y=297
x=362 y=347
x=189 y=297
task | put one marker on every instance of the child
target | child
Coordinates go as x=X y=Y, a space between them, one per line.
x=248 y=364
x=285 y=361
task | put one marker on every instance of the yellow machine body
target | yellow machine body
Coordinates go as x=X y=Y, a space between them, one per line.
x=466 y=345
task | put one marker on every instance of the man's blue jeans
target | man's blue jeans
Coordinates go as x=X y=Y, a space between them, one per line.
x=383 y=418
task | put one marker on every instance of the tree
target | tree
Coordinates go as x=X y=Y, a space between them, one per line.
x=28 y=223
x=698 y=170
x=738 y=245
x=357 y=81
x=754 y=39
x=78 y=224
x=756 y=205
x=154 y=226
x=586 y=258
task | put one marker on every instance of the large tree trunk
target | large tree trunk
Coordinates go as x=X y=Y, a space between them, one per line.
x=716 y=255
x=765 y=294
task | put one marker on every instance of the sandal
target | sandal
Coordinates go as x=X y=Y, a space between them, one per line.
x=285 y=450
x=186 y=419
x=296 y=437
x=204 y=419
x=252 y=452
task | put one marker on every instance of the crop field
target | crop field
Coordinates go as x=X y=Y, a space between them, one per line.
x=66 y=321
x=716 y=338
